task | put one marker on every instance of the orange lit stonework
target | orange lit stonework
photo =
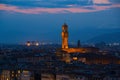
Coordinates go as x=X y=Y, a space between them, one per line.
x=64 y=36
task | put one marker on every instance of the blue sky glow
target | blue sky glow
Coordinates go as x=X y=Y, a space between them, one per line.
x=41 y=20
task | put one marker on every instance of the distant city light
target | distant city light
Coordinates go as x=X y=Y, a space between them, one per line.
x=114 y=44
x=32 y=43
x=28 y=43
x=37 y=44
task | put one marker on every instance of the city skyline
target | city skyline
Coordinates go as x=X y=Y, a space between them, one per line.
x=42 y=19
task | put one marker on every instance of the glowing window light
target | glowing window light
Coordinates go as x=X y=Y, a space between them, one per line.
x=18 y=71
x=75 y=58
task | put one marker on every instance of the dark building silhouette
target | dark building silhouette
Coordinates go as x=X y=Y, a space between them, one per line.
x=78 y=44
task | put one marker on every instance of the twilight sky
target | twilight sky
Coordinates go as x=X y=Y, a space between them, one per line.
x=41 y=20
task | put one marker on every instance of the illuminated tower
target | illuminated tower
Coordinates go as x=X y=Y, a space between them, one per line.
x=64 y=36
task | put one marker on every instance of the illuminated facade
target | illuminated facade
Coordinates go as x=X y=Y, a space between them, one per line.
x=73 y=50
x=64 y=36
x=67 y=50
x=15 y=75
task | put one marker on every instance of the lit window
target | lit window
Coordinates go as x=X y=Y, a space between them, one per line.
x=75 y=58
x=18 y=71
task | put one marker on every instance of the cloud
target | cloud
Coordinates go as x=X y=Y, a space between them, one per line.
x=101 y=1
x=55 y=3
x=73 y=9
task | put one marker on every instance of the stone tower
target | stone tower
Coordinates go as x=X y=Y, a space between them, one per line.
x=64 y=36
